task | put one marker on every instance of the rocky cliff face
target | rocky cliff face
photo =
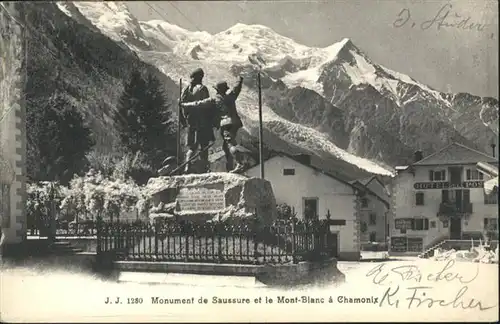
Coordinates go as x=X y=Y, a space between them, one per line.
x=74 y=58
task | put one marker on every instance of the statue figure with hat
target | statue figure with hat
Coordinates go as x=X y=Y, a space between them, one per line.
x=229 y=120
x=199 y=122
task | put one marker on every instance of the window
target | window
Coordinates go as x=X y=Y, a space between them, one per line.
x=490 y=199
x=490 y=224
x=446 y=223
x=419 y=198
x=364 y=202
x=288 y=172
x=373 y=219
x=472 y=174
x=437 y=175
x=420 y=224
x=433 y=224
x=373 y=237
x=311 y=208
x=5 y=204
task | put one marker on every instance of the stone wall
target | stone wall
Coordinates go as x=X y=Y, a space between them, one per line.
x=12 y=123
x=321 y=272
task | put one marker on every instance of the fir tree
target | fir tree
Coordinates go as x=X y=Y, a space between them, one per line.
x=58 y=140
x=144 y=120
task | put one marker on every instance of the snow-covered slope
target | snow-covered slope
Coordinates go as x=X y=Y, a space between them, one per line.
x=169 y=34
x=113 y=19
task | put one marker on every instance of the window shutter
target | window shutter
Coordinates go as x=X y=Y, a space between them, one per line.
x=468 y=174
x=426 y=224
x=431 y=175
x=466 y=197
x=444 y=196
x=413 y=224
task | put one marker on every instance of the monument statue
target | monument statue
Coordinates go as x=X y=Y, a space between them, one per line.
x=223 y=105
x=199 y=122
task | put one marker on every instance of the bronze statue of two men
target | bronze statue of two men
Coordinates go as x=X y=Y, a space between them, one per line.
x=201 y=113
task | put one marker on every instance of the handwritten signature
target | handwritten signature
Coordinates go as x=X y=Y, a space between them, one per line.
x=420 y=297
x=379 y=274
x=444 y=18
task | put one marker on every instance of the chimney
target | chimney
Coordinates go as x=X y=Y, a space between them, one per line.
x=493 y=146
x=417 y=156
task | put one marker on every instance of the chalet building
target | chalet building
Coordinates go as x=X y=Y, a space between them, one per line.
x=12 y=130
x=373 y=210
x=314 y=193
x=442 y=196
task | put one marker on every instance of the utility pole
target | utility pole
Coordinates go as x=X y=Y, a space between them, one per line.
x=179 y=112
x=259 y=62
x=261 y=130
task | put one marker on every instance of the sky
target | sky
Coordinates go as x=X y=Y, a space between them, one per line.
x=449 y=59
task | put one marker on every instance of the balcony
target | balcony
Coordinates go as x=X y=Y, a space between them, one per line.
x=453 y=209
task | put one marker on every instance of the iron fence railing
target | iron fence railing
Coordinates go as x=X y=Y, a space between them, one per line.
x=217 y=242
x=60 y=224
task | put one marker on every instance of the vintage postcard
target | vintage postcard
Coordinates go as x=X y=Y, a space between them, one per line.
x=249 y=161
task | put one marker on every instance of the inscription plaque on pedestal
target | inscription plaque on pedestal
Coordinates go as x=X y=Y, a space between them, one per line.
x=200 y=200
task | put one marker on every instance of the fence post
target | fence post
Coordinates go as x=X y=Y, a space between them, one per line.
x=157 y=227
x=185 y=233
x=294 y=248
x=99 y=234
x=52 y=224
x=218 y=233
x=328 y=234
x=255 y=226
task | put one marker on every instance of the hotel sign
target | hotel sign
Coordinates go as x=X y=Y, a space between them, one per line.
x=447 y=185
x=400 y=223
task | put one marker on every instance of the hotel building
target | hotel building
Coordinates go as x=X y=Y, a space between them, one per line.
x=441 y=197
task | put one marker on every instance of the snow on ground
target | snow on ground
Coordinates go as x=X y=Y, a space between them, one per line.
x=112 y=18
x=309 y=77
x=72 y=296
x=62 y=7
x=170 y=34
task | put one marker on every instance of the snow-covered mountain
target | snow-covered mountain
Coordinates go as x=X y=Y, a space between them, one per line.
x=332 y=101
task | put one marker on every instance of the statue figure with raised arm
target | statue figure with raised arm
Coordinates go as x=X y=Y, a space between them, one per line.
x=229 y=122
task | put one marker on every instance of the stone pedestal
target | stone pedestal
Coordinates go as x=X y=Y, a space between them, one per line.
x=204 y=197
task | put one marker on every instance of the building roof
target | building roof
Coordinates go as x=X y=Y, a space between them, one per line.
x=365 y=181
x=298 y=159
x=357 y=185
x=364 y=186
x=456 y=153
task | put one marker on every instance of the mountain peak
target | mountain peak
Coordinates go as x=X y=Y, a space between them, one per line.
x=346 y=42
x=249 y=26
